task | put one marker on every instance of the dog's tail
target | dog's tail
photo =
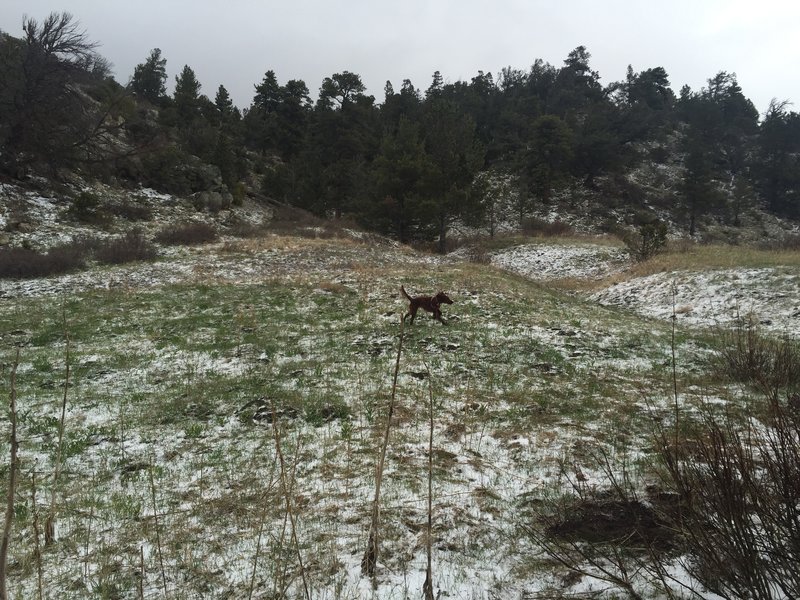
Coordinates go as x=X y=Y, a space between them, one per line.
x=404 y=292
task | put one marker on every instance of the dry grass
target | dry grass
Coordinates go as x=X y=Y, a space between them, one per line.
x=683 y=257
x=285 y=243
x=687 y=256
x=186 y=234
x=501 y=241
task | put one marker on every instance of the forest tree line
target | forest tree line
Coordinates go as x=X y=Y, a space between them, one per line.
x=408 y=165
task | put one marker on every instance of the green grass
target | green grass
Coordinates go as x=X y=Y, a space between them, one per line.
x=161 y=376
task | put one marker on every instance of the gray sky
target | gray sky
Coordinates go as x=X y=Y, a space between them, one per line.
x=235 y=42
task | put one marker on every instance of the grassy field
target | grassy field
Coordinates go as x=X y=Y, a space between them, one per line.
x=178 y=397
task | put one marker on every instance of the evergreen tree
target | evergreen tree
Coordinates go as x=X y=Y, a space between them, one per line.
x=698 y=194
x=278 y=118
x=261 y=118
x=340 y=89
x=455 y=156
x=187 y=96
x=223 y=103
x=149 y=78
x=395 y=106
x=645 y=102
x=778 y=168
x=268 y=94
x=576 y=86
x=437 y=83
x=398 y=171
x=546 y=161
x=293 y=118
x=597 y=146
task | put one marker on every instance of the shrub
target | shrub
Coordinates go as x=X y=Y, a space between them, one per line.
x=790 y=242
x=131 y=211
x=239 y=192
x=746 y=355
x=740 y=515
x=24 y=263
x=132 y=246
x=649 y=240
x=725 y=509
x=535 y=226
x=186 y=234
x=86 y=208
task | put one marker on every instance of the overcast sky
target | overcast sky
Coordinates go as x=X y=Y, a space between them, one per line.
x=235 y=42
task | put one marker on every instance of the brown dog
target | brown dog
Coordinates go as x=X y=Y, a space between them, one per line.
x=429 y=303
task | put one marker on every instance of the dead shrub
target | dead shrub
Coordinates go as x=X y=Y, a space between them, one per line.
x=790 y=242
x=542 y=227
x=186 y=234
x=740 y=516
x=747 y=355
x=131 y=247
x=293 y=221
x=725 y=510
x=132 y=211
x=25 y=263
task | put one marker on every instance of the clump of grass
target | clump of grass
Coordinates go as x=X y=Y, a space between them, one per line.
x=186 y=234
x=333 y=287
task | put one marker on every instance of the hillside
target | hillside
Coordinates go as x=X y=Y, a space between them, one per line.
x=421 y=162
x=209 y=379
x=187 y=373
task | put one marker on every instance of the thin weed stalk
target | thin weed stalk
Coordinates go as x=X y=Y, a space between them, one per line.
x=88 y=536
x=287 y=499
x=370 y=560
x=141 y=573
x=37 y=549
x=262 y=521
x=427 y=588
x=12 y=480
x=158 y=530
x=675 y=366
x=49 y=528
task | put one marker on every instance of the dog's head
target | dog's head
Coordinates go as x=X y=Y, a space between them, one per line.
x=442 y=298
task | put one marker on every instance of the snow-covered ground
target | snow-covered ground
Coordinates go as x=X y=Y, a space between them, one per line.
x=523 y=398
x=545 y=262
x=768 y=296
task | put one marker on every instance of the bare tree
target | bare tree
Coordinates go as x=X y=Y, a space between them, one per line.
x=58 y=101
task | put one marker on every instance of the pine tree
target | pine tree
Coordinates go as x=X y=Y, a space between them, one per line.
x=150 y=77
x=223 y=103
x=187 y=95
